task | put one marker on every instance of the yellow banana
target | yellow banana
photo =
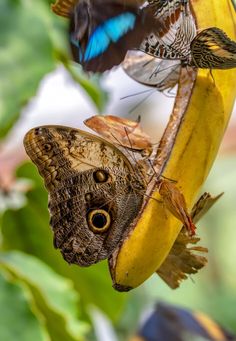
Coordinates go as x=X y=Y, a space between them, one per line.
x=189 y=159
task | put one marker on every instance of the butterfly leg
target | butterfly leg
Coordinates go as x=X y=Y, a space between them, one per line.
x=212 y=77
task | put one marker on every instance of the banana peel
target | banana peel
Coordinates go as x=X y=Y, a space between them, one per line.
x=186 y=153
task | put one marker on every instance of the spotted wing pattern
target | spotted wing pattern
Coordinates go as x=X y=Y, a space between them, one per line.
x=94 y=191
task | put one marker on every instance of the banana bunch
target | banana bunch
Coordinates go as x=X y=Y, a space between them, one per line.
x=186 y=153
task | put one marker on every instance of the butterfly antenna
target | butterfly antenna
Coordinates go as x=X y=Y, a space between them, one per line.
x=149 y=196
x=131 y=155
x=136 y=94
x=142 y=101
x=164 y=69
x=130 y=143
x=126 y=149
x=134 y=157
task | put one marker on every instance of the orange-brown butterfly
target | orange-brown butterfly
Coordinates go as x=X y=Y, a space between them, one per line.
x=95 y=191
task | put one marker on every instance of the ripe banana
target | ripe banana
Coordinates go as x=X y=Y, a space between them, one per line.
x=186 y=153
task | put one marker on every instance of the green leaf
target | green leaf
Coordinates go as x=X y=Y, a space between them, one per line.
x=25 y=56
x=20 y=319
x=53 y=294
x=28 y=229
x=33 y=40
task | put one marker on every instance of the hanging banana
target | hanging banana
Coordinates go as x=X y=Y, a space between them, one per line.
x=186 y=153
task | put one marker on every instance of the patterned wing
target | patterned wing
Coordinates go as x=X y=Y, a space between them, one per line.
x=151 y=71
x=179 y=29
x=213 y=49
x=102 y=31
x=91 y=199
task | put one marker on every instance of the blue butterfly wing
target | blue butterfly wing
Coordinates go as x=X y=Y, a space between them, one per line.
x=110 y=31
x=120 y=25
x=102 y=31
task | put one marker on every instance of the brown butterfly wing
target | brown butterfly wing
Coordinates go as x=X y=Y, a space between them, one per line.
x=178 y=30
x=91 y=199
x=213 y=49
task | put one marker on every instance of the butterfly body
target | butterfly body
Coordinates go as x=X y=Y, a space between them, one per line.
x=94 y=191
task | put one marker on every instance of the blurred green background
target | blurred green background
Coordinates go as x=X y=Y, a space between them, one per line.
x=41 y=296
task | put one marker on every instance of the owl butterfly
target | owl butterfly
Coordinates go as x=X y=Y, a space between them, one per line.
x=101 y=31
x=211 y=48
x=95 y=192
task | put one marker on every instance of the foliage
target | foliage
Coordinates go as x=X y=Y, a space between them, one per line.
x=33 y=42
x=65 y=292
x=41 y=296
x=49 y=298
x=27 y=229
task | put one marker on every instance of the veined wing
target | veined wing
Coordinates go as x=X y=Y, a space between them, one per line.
x=179 y=29
x=151 y=71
